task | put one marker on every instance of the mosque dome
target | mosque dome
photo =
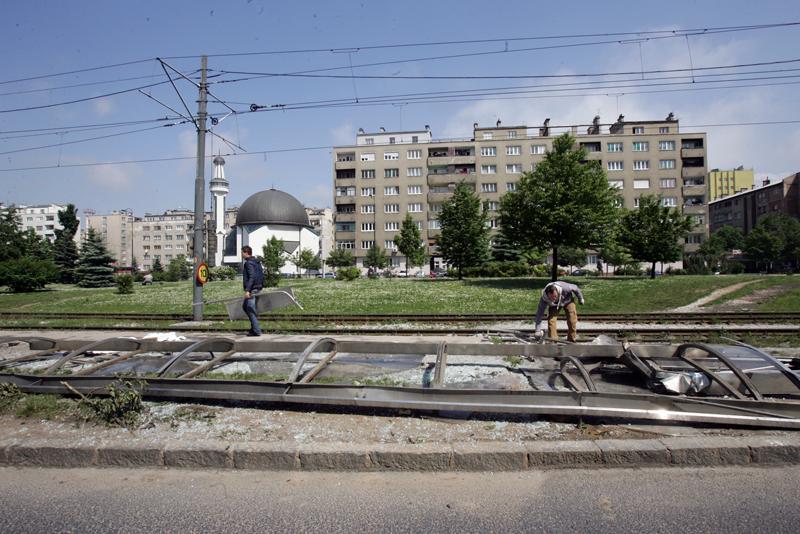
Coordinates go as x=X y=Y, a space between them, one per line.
x=272 y=207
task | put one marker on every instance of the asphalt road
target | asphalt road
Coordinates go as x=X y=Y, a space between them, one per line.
x=610 y=500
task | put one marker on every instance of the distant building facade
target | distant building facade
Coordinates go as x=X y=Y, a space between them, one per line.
x=387 y=175
x=723 y=183
x=321 y=221
x=744 y=210
x=117 y=230
x=41 y=218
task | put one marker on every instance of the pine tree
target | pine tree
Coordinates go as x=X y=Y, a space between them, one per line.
x=157 y=267
x=95 y=263
x=464 y=241
x=65 y=252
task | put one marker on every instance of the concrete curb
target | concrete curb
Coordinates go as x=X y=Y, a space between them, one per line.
x=494 y=456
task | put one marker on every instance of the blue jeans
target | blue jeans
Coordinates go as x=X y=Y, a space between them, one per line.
x=249 y=307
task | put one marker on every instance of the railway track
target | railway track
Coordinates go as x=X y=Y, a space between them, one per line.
x=380 y=318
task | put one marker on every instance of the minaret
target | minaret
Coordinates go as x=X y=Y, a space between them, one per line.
x=219 y=188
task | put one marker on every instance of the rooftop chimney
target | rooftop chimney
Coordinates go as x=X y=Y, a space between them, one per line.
x=594 y=129
x=765 y=182
x=498 y=123
x=617 y=126
x=427 y=128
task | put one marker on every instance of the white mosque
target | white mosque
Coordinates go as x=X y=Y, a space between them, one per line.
x=263 y=215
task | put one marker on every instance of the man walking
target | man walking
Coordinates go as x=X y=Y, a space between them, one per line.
x=253 y=282
x=557 y=295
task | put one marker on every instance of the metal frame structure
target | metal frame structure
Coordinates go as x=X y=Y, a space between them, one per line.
x=742 y=385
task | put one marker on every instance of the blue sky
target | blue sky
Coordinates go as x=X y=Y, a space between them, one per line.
x=42 y=38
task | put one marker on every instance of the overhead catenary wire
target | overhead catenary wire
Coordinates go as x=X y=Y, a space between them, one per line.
x=331 y=147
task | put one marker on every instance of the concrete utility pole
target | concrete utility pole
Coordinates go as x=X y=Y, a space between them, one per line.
x=199 y=191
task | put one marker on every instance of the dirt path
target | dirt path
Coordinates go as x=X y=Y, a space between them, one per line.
x=697 y=305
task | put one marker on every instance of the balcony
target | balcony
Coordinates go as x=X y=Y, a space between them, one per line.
x=693 y=152
x=437 y=198
x=344 y=165
x=693 y=172
x=451 y=178
x=451 y=160
x=693 y=190
x=694 y=209
x=341 y=236
x=345 y=199
x=345 y=217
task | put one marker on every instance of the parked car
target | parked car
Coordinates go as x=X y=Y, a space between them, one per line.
x=402 y=274
x=580 y=272
x=329 y=275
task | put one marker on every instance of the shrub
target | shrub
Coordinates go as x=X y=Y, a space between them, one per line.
x=122 y=407
x=26 y=274
x=499 y=269
x=541 y=269
x=674 y=271
x=348 y=273
x=221 y=273
x=124 y=284
x=734 y=267
x=633 y=269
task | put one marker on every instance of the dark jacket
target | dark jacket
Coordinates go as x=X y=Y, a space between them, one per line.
x=253 y=274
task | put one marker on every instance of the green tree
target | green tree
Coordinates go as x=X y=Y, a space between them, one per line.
x=65 y=251
x=95 y=267
x=774 y=239
x=409 y=243
x=654 y=233
x=340 y=257
x=464 y=238
x=11 y=238
x=376 y=258
x=27 y=273
x=306 y=259
x=613 y=253
x=178 y=269
x=157 y=267
x=572 y=257
x=273 y=260
x=565 y=202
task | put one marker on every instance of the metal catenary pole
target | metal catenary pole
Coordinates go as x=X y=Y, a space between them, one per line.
x=199 y=189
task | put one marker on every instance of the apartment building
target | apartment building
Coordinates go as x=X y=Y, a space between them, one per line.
x=163 y=236
x=743 y=210
x=723 y=183
x=117 y=230
x=321 y=220
x=42 y=219
x=388 y=174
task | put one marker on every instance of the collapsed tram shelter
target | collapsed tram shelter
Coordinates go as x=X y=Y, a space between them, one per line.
x=732 y=385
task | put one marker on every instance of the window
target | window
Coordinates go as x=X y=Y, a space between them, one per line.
x=641 y=164
x=514 y=168
x=435 y=208
x=414 y=189
x=168 y=237
x=669 y=202
x=415 y=139
x=415 y=207
x=368 y=227
x=368 y=208
x=180 y=237
x=492 y=205
x=179 y=247
x=636 y=202
x=666 y=145
x=666 y=164
x=434 y=225
x=615 y=166
x=367 y=191
x=391 y=190
x=614 y=147
x=367 y=244
x=641 y=184
x=667 y=183
x=538 y=149
x=391 y=173
x=493 y=223
x=514 y=150
x=389 y=244
x=694 y=239
x=617 y=184
x=348 y=191
x=414 y=171
x=512 y=134
x=346 y=244
x=638 y=129
x=488 y=169
x=391 y=156
x=511 y=186
x=368 y=157
x=368 y=173
x=489 y=188
x=414 y=154
x=391 y=208
x=391 y=140
x=488 y=151
x=369 y=141
x=641 y=146
x=663 y=129
x=391 y=226
x=487 y=135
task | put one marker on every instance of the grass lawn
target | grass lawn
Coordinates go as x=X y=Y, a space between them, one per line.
x=413 y=295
